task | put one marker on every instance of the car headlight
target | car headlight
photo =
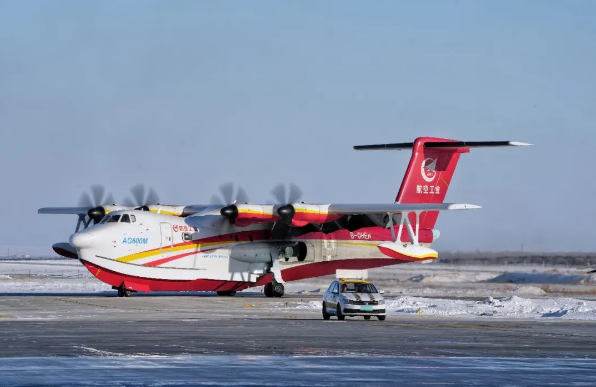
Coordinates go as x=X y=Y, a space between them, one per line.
x=381 y=302
x=349 y=301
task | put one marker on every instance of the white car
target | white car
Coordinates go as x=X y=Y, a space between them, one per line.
x=347 y=297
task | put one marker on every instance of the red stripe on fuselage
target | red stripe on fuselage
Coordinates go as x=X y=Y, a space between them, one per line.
x=173 y=258
x=202 y=285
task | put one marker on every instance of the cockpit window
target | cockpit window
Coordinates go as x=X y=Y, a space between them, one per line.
x=125 y=218
x=113 y=219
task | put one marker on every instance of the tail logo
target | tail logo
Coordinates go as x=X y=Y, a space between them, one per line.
x=428 y=169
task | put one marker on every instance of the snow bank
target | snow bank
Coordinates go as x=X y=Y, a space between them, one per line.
x=539 y=278
x=458 y=277
x=509 y=307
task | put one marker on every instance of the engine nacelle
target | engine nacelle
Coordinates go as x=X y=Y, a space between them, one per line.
x=243 y=215
x=310 y=213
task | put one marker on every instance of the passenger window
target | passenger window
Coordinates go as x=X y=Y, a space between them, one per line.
x=133 y=218
x=114 y=219
x=186 y=237
x=336 y=287
x=125 y=219
x=331 y=287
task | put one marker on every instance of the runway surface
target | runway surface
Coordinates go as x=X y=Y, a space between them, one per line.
x=254 y=325
x=249 y=340
x=294 y=371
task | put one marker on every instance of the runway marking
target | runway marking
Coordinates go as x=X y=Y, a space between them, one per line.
x=5 y=316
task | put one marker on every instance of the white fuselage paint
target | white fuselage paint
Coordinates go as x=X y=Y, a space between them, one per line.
x=154 y=247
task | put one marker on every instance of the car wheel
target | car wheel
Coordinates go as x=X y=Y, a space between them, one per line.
x=381 y=318
x=339 y=314
x=326 y=316
x=367 y=317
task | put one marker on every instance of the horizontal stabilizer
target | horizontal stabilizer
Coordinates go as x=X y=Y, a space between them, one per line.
x=442 y=144
x=64 y=210
x=353 y=209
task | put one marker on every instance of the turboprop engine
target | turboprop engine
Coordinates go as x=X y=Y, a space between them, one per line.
x=296 y=214
x=243 y=215
x=301 y=214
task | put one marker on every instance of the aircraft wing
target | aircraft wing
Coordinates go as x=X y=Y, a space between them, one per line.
x=363 y=209
x=64 y=210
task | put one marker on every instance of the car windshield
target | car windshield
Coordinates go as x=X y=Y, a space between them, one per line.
x=352 y=287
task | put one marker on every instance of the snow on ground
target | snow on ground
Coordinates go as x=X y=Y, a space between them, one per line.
x=508 y=307
x=48 y=276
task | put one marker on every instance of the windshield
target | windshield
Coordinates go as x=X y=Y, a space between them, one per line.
x=351 y=287
x=113 y=219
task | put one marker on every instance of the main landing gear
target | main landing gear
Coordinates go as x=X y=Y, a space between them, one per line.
x=274 y=289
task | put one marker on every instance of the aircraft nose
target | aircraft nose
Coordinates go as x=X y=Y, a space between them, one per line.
x=81 y=240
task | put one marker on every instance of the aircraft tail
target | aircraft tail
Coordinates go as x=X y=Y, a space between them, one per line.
x=430 y=170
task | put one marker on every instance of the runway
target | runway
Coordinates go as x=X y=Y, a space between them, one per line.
x=104 y=325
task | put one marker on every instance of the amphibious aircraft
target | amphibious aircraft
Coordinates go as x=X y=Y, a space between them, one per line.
x=235 y=245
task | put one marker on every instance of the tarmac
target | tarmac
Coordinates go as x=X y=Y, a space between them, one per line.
x=251 y=324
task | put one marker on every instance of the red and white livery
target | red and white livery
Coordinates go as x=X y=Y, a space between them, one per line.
x=241 y=245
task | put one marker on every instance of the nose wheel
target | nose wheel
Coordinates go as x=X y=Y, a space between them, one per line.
x=123 y=292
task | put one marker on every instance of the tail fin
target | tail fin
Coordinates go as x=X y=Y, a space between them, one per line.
x=430 y=169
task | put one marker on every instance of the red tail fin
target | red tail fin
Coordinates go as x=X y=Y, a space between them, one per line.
x=428 y=175
x=430 y=170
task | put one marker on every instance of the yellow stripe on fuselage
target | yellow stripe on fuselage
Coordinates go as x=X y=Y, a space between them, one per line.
x=150 y=253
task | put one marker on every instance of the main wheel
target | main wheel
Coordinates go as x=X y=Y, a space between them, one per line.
x=339 y=314
x=326 y=316
x=381 y=318
x=367 y=317
x=278 y=289
x=229 y=293
x=268 y=290
x=127 y=293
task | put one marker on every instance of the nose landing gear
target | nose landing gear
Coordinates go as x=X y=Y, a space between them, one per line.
x=122 y=291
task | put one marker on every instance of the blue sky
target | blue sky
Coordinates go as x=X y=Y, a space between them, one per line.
x=187 y=95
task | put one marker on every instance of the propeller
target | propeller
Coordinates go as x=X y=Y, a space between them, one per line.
x=96 y=200
x=141 y=196
x=229 y=196
x=285 y=197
